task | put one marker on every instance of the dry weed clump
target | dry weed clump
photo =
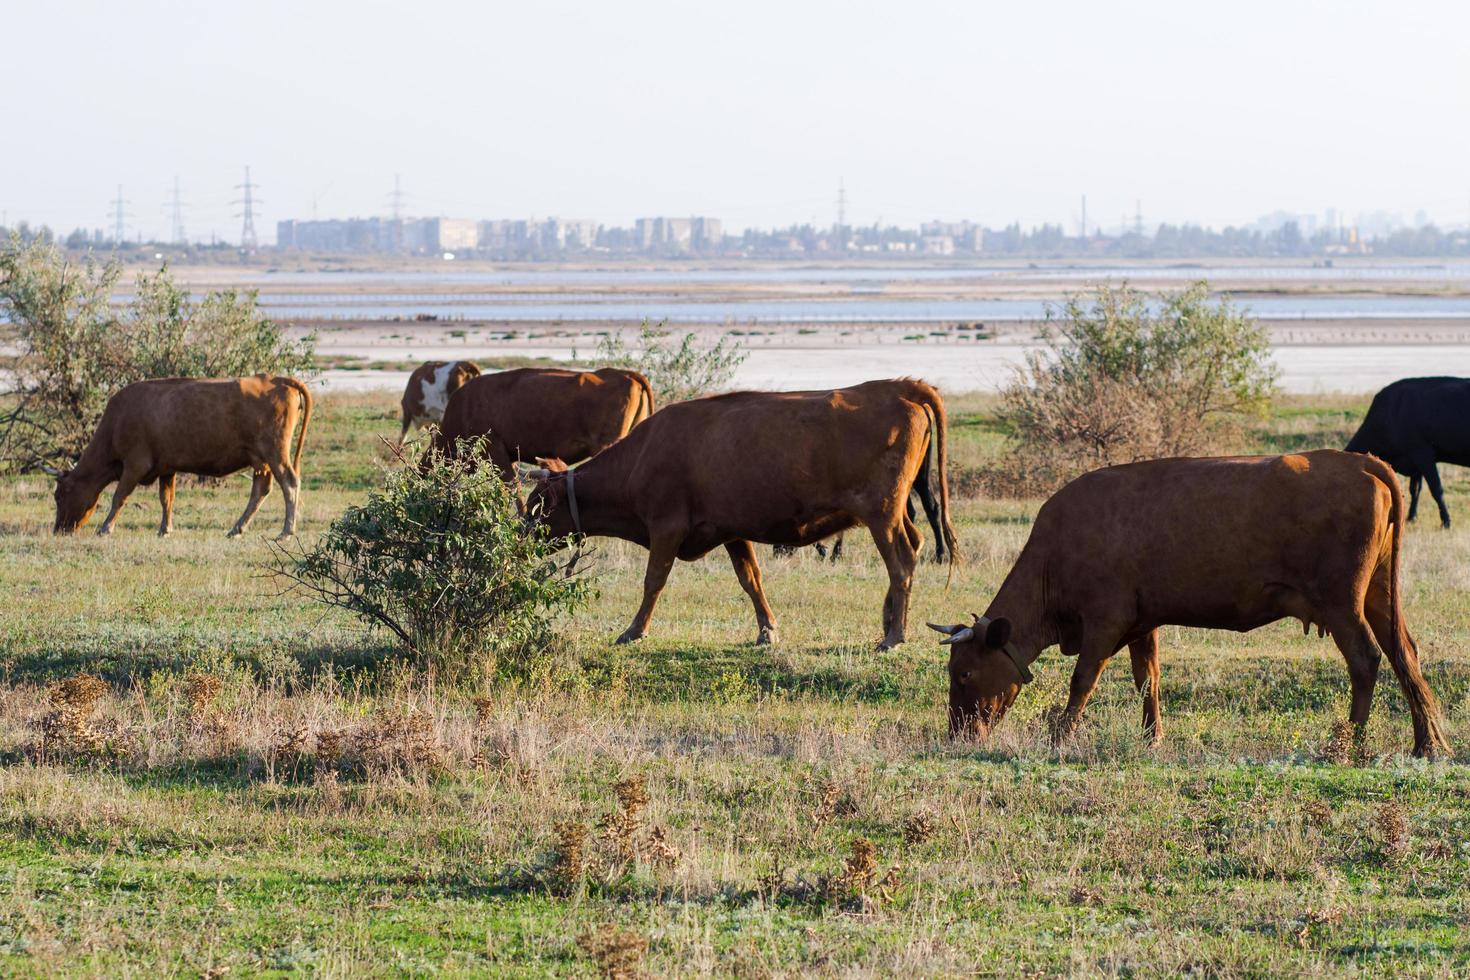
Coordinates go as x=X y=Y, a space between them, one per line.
x=622 y=826
x=617 y=952
x=662 y=851
x=284 y=756
x=918 y=828
x=1342 y=743
x=484 y=706
x=831 y=802
x=200 y=692
x=569 y=861
x=1318 y=813
x=1315 y=918
x=68 y=727
x=401 y=744
x=1392 y=824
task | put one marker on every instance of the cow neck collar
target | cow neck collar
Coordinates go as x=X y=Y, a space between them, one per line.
x=572 y=501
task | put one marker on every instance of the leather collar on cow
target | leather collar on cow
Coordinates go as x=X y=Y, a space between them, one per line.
x=572 y=500
x=981 y=623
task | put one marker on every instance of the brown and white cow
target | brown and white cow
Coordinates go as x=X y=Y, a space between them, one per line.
x=552 y=412
x=152 y=430
x=429 y=389
x=785 y=468
x=1226 y=543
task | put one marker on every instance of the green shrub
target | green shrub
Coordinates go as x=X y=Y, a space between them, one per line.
x=1122 y=379
x=75 y=350
x=441 y=558
x=675 y=367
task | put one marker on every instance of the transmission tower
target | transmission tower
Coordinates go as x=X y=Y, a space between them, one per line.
x=176 y=208
x=842 y=214
x=1083 y=233
x=119 y=215
x=247 y=202
x=1138 y=217
x=396 y=198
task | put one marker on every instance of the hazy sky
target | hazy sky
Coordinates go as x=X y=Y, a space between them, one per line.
x=750 y=111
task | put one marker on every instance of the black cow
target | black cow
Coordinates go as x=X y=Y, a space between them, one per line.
x=1415 y=424
x=923 y=489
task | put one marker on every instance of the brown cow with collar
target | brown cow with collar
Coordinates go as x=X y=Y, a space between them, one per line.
x=1225 y=543
x=152 y=430
x=552 y=412
x=753 y=466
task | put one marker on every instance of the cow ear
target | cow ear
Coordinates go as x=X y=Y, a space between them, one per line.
x=552 y=464
x=998 y=633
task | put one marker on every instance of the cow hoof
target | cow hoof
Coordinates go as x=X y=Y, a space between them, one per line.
x=234 y=533
x=629 y=637
x=164 y=534
x=103 y=532
x=889 y=644
x=767 y=637
x=285 y=536
x=1445 y=525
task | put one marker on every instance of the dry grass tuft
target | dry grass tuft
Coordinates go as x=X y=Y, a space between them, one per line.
x=831 y=802
x=1392 y=824
x=1318 y=813
x=623 y=825
x=617 y=952
x=401 y=743
x=1326 y=916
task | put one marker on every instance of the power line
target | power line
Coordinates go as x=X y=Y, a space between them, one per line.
x=247 y=203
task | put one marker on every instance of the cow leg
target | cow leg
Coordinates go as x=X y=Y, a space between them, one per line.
x=403 y=435
x=166 y=500
x=748 y=571
x=1145 y=656
x=661 y=554
x=899 y=557
x=126 y=484
x=1431 y=477
x=260 y=488
x=1098 y=648
x=1415 y=483
x=290 y=489
x=837 y=547
x=1396 y=642
x=1354 y=639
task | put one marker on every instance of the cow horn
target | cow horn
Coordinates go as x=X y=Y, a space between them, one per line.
x=539 y=474
x=962 y=636
x=51 y=471
x=946 y=630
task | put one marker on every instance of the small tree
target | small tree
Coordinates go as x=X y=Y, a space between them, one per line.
x=441 y=558
x=1124 y=379
x=75 y=351
x=676 y=368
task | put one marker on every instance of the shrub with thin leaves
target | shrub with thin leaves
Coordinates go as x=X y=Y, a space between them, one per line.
x=441 y=558
x=75 y=350
x=1124 y=377
x=677 y=369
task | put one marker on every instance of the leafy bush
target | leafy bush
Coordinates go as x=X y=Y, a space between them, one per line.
x=75 y=351
x=441 y=558
x=1123 y=379
x=675 y=367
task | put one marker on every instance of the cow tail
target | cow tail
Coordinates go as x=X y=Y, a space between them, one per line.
x=305 y=394
x=1402 y=651
x=938 y=426
x=645 y=398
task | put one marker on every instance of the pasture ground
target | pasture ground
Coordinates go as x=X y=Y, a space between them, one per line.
x=694 y=803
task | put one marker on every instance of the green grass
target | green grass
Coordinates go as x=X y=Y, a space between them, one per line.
x=197 y=839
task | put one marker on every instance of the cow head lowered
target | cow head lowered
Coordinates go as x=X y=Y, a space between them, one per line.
x=984 y=678
x=548 y=491
x=76 y=498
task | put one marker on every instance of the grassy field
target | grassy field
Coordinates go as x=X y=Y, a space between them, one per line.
x=262 y=788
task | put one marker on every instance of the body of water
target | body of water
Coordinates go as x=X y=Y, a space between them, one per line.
x=873 y=309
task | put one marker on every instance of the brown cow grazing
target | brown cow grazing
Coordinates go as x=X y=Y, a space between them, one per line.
x=553 y=412
x=1228 y=543
x=152 y=430
x=772 y=467
x=428 y=391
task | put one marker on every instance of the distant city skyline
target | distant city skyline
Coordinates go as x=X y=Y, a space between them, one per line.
x=991 y=112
